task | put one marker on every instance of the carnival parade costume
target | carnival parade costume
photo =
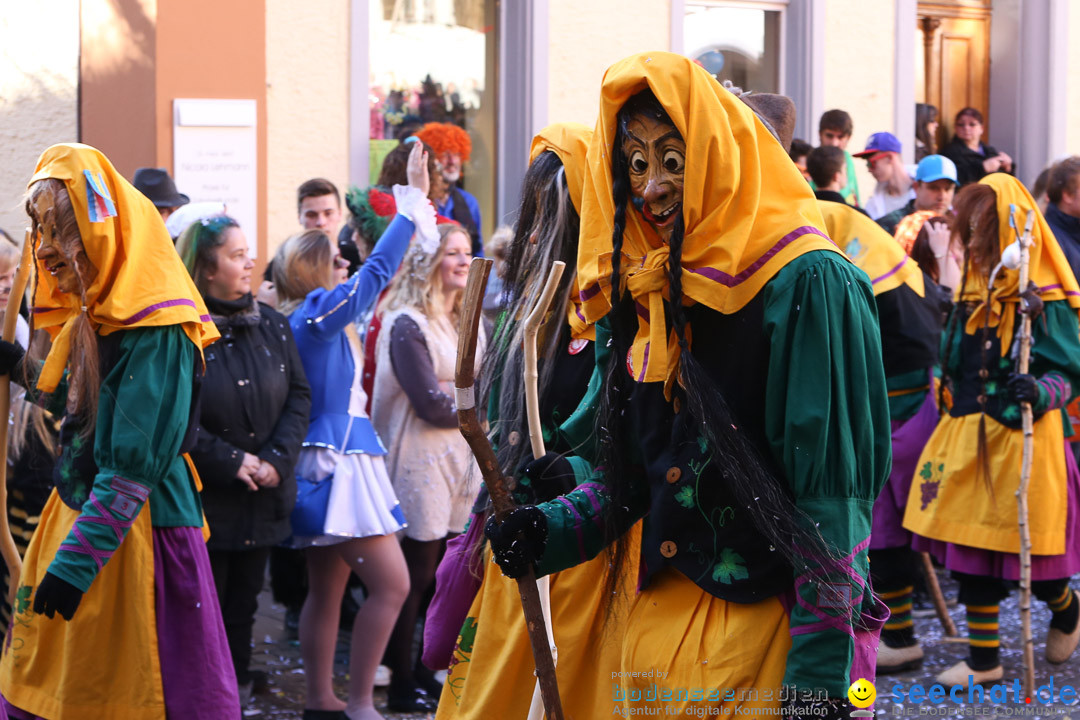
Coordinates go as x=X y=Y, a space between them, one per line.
x=491 y=671
x=784 y=328
x=909 y=312
x=968 y=520
x=124 y=526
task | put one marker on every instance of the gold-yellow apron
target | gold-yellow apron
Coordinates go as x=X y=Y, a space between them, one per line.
x=492 y=671
x=949 y=500
x=103 y=664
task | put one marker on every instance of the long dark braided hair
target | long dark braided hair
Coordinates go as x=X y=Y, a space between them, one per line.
x=766 y=497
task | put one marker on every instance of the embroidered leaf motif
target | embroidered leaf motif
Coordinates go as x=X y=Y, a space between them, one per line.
x=991 y=387
x=686 y=497
x=468 y=635
x=926 y=471
x=1012 y=412
x=22 y=599
x=730 y=567
x=929 y=488
x=702 y=444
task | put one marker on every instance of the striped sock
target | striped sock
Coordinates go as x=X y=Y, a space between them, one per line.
x=983 y=637
x=1066 y=612
x=899 y=630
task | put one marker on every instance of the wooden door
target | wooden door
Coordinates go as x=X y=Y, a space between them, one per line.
x=955 y=38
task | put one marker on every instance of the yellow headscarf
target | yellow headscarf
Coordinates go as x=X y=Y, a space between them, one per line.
x=570 y=141
x=747 y=211
x=873 y=250
x=140 y=280
x=1048 y=268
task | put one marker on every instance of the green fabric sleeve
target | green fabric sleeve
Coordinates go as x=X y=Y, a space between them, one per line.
x=1055 y=347
x=142 y=417
x=827 y=422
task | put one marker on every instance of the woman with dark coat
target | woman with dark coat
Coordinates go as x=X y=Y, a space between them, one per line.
x=255 y=407
x=974 y=159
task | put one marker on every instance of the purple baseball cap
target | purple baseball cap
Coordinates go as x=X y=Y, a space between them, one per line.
x=880 y=142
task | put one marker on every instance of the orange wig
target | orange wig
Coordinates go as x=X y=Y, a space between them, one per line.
x=446 y=137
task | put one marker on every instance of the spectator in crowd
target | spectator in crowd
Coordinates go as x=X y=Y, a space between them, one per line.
x=249 y=435
x=1038 y=190
x=453 y=147
x=798 y=152
x=893 y=191
x=973 y=159
x=414 y=412
x=318 y=204
x=926 y=127
x=935 y=184
x=156 y=184
x=835 y=128
x=346 y=513
x=937 y=250
x=495 y=248
x=1063 y=209
x=827 y=166
x=266 y=294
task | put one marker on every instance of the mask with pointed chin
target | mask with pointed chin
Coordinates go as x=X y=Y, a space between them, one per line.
x=656 y=157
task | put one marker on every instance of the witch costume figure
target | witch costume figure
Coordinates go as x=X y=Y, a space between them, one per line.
x=491 y=671
x=962 y=502
x=116 y=615
x=910 y=307
x=743 y=411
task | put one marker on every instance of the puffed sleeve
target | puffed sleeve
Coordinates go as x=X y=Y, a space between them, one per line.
x=142 y=417
x=827 y=422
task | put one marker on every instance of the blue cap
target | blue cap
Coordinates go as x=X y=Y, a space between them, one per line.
x=880 y=142
x=936 y=167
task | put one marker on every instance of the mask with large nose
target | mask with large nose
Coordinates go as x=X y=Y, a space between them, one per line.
x=656 y=159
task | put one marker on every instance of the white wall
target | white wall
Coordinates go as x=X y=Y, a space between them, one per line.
x=307 y=103
x=588 y=36
x=38 y=94
x=860 y=56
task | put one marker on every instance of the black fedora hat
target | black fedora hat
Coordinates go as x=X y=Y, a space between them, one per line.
x=156 y=184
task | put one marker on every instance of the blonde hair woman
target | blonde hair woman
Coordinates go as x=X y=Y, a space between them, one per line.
x=346 y=512
x=428 y=460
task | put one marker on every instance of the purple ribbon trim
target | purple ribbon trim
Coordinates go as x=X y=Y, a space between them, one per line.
x=577 y=525
x=85 y=547
x=589 y=491
x=732 y=280
x=828 y=621
x=158 y=306
x=589 y=292
x=892 y=272
x=644 y=362
x=642 y=311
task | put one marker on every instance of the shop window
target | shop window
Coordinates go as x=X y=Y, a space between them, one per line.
x=434 y=61
x=740 y=42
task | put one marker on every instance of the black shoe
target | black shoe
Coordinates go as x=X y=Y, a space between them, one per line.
x=411 y=700
x=427 y=682
x=325 y=715
x=260 y=681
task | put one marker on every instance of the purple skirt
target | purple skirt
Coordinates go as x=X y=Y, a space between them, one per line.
x=908 y=440
x=989 y=563
x=197 y=673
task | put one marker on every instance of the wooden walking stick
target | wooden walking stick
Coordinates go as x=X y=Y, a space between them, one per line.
x=11 y=315
x=473 y=432
x=936 y=595
x=536 y=438
x=1025 y=463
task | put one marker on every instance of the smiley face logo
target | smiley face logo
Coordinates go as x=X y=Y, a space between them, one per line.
x=862 y=693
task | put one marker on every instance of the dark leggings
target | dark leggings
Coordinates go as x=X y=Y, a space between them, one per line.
x=422 y=559
x=983 y=590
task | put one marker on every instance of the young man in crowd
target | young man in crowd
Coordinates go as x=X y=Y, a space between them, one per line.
x=934 y=186
x=882 y=155
x=827 y=167
x=1063 y=210
x=318 y=204
x=834 y=130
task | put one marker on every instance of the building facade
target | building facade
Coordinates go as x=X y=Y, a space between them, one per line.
x=326 y=84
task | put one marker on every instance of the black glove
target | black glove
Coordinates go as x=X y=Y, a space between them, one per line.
x=1023 y=388
x=518 y=542
x=10 y=356
x=56 y=596
x=547 y=477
